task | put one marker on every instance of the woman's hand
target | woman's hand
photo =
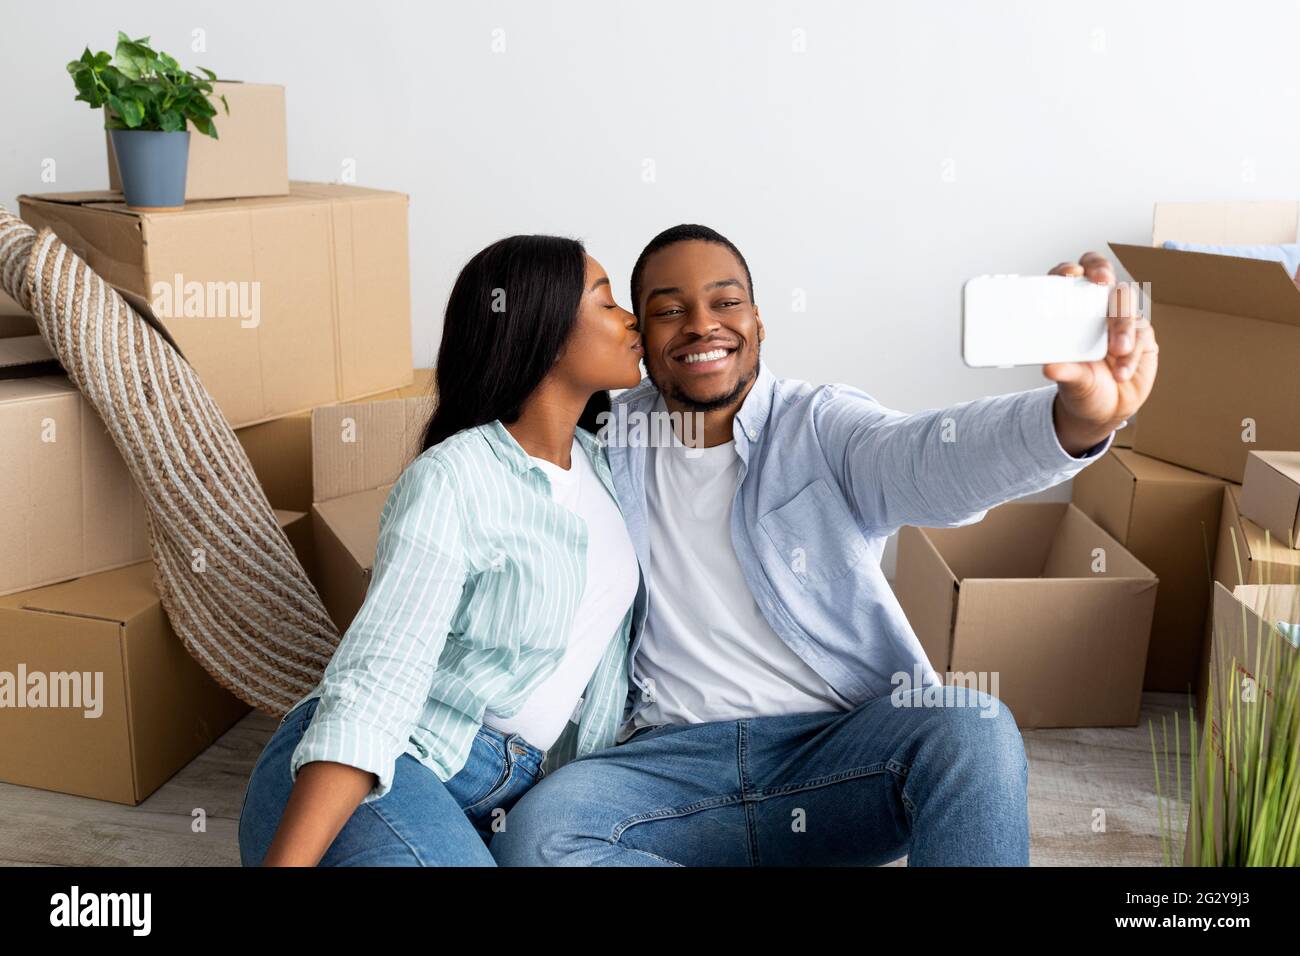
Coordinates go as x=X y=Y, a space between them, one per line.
x=324 y=797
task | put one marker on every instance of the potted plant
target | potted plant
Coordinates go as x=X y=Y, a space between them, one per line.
x=147 y=100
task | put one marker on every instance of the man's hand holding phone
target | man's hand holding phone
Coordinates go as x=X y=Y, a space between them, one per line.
x=1095 y=398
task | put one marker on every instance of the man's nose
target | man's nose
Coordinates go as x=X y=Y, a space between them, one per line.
x=699 y=322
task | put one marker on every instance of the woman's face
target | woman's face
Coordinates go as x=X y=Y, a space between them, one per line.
x=604 y=349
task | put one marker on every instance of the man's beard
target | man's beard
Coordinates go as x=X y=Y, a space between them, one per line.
x=711 y=404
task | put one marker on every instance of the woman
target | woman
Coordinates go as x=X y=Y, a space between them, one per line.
x=501 y=592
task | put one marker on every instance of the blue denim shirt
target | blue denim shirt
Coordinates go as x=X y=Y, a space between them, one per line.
x=827 y=474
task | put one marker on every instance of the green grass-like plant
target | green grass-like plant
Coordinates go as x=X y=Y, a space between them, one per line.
x=1245 y=774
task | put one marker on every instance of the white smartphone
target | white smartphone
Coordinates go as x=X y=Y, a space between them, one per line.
x=1012 y=320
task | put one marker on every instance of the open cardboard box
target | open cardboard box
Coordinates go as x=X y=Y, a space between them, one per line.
x=1040 y=596
x=1247 y=648
x=280 y=303
x=1229 y=333
x=1245 y=554
x=1168 y=518
x=358 y=451
x=250 y=157
x=134 y=706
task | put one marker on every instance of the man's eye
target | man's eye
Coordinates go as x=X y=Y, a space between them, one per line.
x=666 y=313
x=729 y=303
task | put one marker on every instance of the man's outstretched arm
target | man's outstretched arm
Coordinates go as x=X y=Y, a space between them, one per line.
x=948 y=466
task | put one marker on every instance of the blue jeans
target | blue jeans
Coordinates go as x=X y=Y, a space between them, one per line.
x=945 y=785
x=421 y=821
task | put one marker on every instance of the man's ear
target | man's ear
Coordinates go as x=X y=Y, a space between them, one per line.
x=761 y=333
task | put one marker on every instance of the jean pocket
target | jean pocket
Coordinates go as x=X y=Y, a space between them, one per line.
x=486 y=773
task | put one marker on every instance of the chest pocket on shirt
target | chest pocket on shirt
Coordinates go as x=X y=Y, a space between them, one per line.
x=815 y=535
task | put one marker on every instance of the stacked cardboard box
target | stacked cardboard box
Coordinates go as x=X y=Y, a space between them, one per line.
x=358 y=452
x=285 y=297
x=1168 y=517
x=1228 y=329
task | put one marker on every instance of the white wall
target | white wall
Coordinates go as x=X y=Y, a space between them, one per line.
x=910 y=146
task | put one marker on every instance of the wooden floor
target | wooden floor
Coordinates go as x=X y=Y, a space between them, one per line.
x=1074 y=775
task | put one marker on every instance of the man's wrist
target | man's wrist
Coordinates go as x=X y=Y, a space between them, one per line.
x=1078 y=437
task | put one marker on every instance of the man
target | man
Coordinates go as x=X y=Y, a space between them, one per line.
x=765 y=722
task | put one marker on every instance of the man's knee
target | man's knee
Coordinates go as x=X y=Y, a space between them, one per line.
x=979 y=726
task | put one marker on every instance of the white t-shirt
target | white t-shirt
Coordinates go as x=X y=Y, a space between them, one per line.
x=612 y=577
x=707 y=649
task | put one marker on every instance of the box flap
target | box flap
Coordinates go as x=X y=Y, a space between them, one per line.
x=1283 y=563
x=26 y=355
x=1226 y=223
x=118 y=596
x=354 y=520
x=1273 y=602
x=24 y=350
x=1145 y=468
x=1255 y=288
x=1012 y=541
x=1286 y=463
x=1078 y=547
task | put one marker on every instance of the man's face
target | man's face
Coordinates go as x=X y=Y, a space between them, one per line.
x=700 y=328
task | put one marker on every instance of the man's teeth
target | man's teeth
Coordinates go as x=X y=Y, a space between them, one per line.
x=704 y=356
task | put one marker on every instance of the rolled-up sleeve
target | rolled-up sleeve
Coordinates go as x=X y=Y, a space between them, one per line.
x=376 y=684
x=943 y=467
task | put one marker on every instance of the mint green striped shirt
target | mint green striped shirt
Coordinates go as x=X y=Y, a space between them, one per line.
x=477 y=576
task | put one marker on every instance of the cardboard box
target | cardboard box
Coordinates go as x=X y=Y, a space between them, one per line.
x=250 y=157
x=1016 y=596
x=158 y=708
x=70 y=506
x=1168 y=518
x=13 y=320
x=1245 y=554
x=1229 y=332
x=358 y=452
x=1246 y=646
x=293 y=301
x=1270 y=494
x=280 y=450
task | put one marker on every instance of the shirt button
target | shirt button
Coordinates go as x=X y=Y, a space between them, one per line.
x=753 y=433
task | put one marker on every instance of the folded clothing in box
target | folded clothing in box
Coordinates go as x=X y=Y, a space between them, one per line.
x=1039 y=603
x=1287 y=253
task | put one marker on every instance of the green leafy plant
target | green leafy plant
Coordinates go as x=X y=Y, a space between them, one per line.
x=141 y=89
x=1244 y=785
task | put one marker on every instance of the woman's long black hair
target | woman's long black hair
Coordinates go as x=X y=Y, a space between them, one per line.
x=508 y=317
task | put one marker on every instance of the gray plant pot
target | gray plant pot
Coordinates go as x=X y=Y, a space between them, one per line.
x=152 y=165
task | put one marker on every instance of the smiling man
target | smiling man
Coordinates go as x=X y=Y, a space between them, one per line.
x=764 y=723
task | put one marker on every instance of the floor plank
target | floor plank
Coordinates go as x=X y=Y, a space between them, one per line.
x=1073 y=774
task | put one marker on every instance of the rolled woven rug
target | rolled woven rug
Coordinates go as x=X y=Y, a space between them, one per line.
x=228 y=578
